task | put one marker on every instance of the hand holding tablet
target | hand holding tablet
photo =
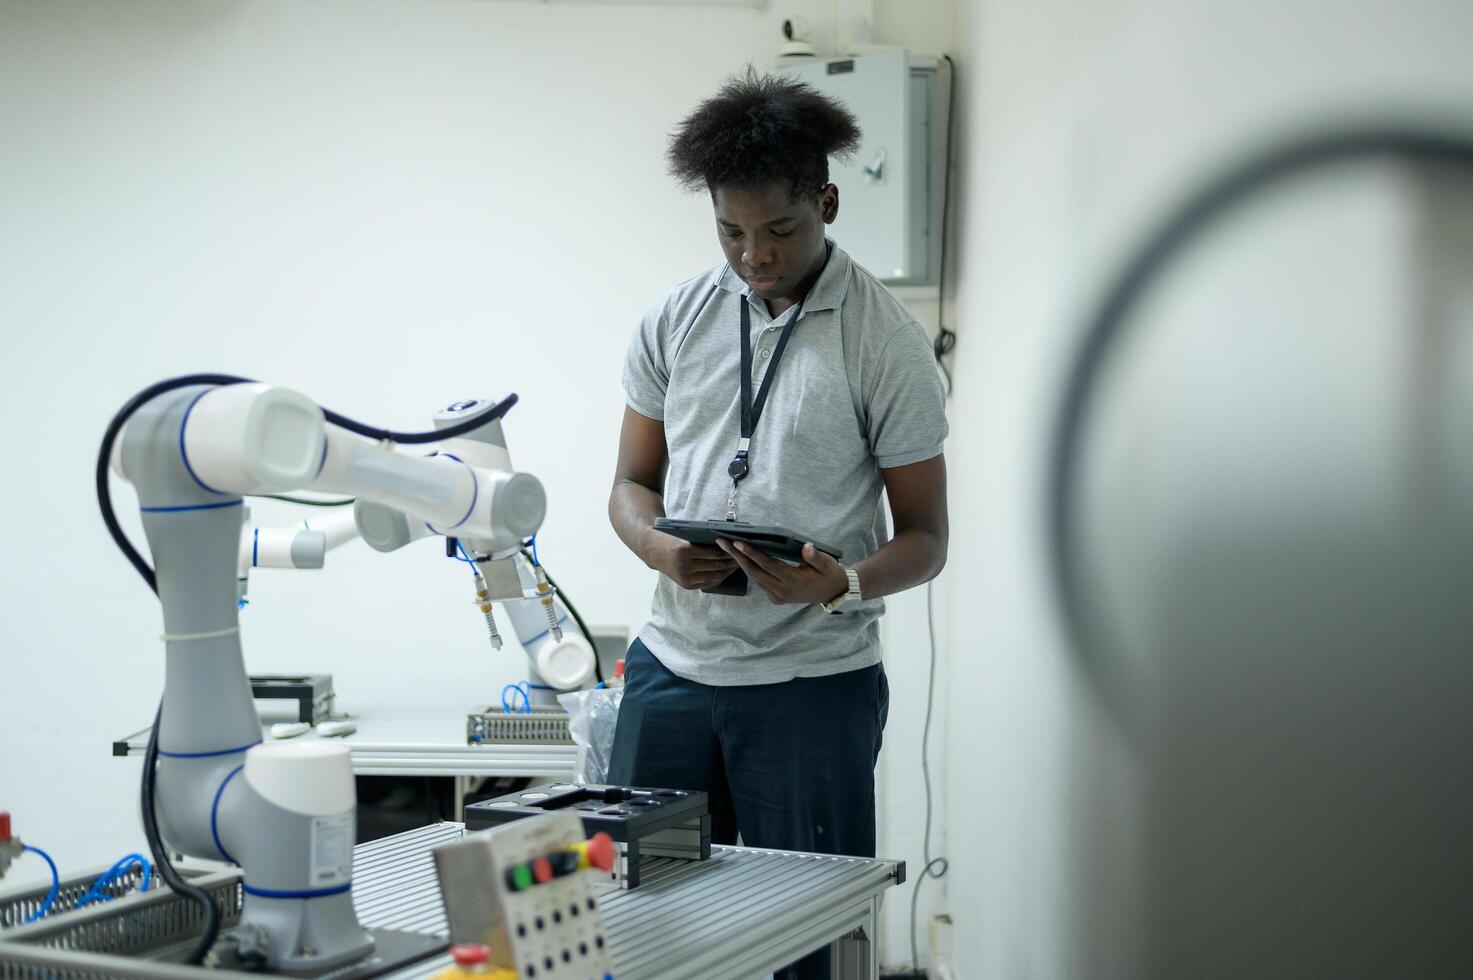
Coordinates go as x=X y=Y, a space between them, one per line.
x=776 y=541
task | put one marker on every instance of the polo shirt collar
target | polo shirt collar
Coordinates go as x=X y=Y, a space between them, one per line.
x=827 y=293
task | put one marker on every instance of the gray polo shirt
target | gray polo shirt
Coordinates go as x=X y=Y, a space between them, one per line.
x=857 y=391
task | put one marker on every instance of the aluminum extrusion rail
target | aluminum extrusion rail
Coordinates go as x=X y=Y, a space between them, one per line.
x=742 y=914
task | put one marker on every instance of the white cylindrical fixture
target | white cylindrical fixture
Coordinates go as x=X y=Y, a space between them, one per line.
x=282 y=547
x=267 y=547
x=385 y=529
x=565 y=664
x=519 y=505
x=432 y=488
x=452 y=496
x=339 y=527
x=245 y=437
x=314 y=778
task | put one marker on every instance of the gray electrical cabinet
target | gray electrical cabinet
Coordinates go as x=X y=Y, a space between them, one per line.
x=890 y=191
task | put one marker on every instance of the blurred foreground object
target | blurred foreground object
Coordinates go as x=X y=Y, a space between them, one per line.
x=1261 y=515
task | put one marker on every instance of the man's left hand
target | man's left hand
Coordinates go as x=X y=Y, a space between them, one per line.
x=819 y=579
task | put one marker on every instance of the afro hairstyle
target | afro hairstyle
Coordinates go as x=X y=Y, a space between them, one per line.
x=759 y=130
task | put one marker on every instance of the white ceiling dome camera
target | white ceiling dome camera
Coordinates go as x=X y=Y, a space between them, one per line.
x=796 y=31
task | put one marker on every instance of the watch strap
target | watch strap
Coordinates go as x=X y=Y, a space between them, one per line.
x=852 y=594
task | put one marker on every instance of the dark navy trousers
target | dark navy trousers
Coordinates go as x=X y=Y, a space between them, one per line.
x=789 y=766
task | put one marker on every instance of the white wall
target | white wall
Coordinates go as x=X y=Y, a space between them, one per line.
x=387 y=205
x=925 y=29
x=1082 y=119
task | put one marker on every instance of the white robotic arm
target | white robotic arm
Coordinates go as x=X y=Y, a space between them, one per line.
x=303 y=545
x=256 y=438
x=285 y=813
x=276 y=446
x=559 y=660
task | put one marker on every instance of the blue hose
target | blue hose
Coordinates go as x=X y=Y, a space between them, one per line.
x=96 y=893
x=522 y=689
x=463 y=556
x=55 y=884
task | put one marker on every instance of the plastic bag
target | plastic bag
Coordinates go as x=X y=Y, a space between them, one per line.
x=592 y=718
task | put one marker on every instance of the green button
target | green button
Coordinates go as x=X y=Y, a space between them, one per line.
x=521 y=877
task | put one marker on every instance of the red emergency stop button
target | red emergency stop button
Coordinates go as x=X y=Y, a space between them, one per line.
x=470 y=954
x=601 y=851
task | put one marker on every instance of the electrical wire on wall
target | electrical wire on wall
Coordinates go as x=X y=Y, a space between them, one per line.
x=933 y=867
x=945 y=341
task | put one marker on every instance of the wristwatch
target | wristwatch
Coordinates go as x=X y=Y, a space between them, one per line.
x=851 y=595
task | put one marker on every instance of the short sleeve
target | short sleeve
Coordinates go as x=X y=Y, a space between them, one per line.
x=906 y=408
x=646 y=367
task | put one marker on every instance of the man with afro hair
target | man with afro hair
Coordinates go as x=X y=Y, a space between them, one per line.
x=774 y=701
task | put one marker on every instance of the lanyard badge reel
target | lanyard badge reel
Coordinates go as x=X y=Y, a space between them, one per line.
x=739 y=467
x=737 y=470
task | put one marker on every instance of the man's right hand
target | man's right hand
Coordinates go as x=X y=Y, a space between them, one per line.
x=690 y=566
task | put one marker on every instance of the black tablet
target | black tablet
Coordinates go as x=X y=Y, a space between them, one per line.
x=776 y=541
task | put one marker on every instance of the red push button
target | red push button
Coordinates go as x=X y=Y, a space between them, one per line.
x=470 y=954
x=601 y=851
x=542 y=870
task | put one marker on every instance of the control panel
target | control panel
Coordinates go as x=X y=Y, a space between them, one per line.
x=519 y=891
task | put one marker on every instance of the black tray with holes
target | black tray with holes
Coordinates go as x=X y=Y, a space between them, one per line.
x=625 y=813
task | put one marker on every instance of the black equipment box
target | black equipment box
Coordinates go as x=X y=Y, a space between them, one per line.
x=312 y=692
x=646 y=822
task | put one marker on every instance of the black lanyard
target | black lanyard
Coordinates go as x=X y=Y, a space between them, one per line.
x=737 y=469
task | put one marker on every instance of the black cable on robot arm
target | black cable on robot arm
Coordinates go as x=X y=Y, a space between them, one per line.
x=287 y=498
x=104 y=460
x=497 y=411
x=1182 y=226
x=156 y=849
x=160 y=854
x=115 y=428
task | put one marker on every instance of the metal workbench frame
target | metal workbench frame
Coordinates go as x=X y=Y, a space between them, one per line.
x=740 y=915
x=427 y=742
x=431 y=759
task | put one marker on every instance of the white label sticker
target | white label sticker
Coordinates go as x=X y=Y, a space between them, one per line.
x=332 y=850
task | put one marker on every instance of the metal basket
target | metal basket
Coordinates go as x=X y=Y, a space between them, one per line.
x=21 y=903
x=109 y=939
x=492 y=724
